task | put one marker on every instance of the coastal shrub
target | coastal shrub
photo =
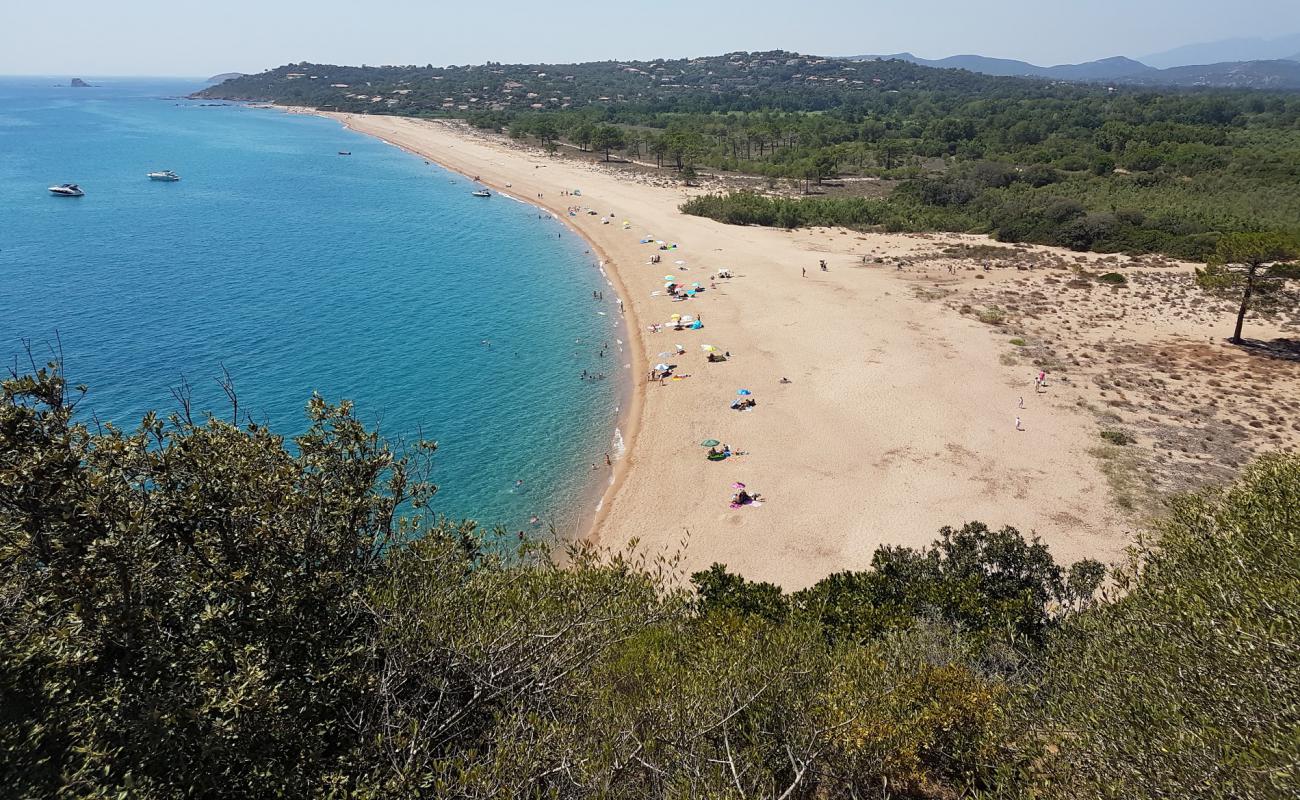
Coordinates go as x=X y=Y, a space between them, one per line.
x=1186 y=683
x=1018 y=342
x=1113 y=278
x=183 y=606
x=197 y=609
x=991 y=315
x=1117 y=437
x=719 y=590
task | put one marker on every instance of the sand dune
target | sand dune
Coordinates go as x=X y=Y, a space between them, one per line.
x=899 y=417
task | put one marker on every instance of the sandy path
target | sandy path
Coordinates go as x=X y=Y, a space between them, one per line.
x=899 y=418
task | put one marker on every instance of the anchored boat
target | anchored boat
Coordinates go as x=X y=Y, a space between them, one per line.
x=67 y=190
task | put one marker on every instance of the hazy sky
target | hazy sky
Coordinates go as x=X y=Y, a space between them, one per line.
x=186 y=37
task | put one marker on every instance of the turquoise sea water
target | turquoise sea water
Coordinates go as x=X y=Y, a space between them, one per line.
x=373 y=277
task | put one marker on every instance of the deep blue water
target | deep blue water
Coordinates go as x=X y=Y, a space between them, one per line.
x=375 y=278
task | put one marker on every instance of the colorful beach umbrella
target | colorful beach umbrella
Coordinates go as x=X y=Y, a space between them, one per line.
x=710 y=443
x=738 y=485
x=708 y=348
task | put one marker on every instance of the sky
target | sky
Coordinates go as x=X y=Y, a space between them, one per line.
x=189 y=38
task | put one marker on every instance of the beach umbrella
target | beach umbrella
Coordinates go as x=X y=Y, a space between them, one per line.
x=738 y=485
x=710 y=443
x=661 y=366
x=743 y=392
x=676 y=317
x=679 y=262
x=696 y=285
x=669 y=285
x=690 y=292
x=708 y=348
x=670 y=277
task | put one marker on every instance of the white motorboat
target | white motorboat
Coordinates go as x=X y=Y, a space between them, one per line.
x=481 y=193
x=164 y=175
x=67 y=190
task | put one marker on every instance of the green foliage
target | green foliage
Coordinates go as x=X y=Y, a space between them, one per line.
x=607 y=138
x=720 y=591
x=991 y=585
x=200 y=610
x=1085 y=167
x=1113 y=278
x=1254 y=249
x=1247 y=265
x=1187 y=684
x=181 y=605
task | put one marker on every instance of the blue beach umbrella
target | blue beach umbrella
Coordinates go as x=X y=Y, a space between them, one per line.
x=743 y=392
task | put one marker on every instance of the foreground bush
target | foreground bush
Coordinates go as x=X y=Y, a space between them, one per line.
x=1188 y=684
x=199 y=610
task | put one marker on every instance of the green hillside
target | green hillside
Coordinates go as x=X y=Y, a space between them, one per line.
x=1080 y=166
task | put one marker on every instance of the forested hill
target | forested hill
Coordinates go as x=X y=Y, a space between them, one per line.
x=775 y=80
x=1084 y=166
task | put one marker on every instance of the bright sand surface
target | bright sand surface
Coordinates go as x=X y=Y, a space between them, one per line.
x=899 y=417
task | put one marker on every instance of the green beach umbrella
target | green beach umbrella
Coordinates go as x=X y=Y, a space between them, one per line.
x=709 y=443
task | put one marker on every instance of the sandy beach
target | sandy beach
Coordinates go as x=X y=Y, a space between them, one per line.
x=900 y=412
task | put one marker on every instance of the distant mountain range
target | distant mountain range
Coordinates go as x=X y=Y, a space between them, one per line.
x=1225 y=50
x=1266 y=71
x=1115 y=67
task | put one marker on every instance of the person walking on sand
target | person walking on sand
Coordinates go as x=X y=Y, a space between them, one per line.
x=804 y=270
x=608 y=463
x=1022 y=403
x=1019 y=427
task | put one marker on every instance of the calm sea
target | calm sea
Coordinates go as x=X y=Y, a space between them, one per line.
x=373 y=277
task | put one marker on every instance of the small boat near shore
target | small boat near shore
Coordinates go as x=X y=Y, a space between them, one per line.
x=164 y=175
x=481 y=193
x=345 y=152
x=67 y=190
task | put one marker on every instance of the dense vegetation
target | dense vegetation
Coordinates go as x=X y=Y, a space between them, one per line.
x=199 y=610
x=1080 y=166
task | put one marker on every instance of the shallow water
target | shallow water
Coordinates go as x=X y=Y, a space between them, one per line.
x=373 y=277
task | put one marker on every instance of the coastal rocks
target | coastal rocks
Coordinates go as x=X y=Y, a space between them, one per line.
x=78 y=83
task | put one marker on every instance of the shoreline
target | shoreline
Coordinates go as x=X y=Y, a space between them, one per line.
x=631 y=396
x=892 y=417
